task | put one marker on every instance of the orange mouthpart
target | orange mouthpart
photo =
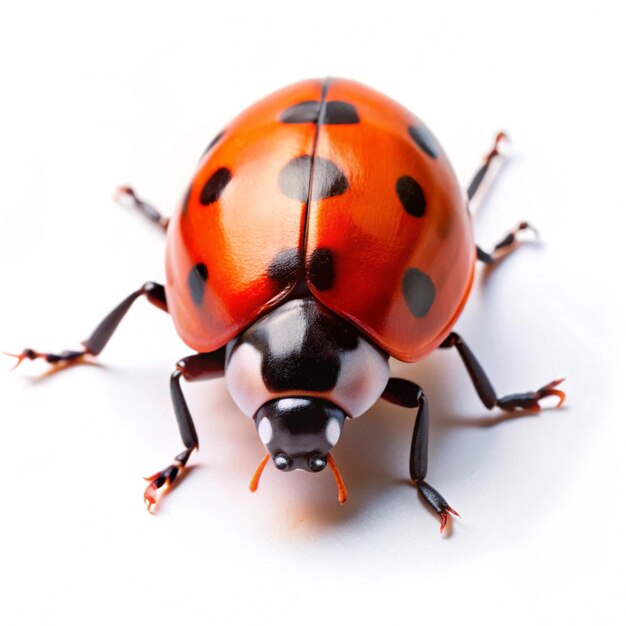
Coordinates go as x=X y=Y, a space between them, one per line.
x=254 y=481
x=342 y=494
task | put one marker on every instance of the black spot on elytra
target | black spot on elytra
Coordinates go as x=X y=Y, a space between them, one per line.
x=328 y=179
x=295 y=177
x=212 y=143
x=411 y=196
x=196 y=280
x=335 y=112
x=339 y=112
x=425 y=140
x=214 y=187
x=285 y=267
x=320 y=269
x=418 y=291
x=301 y=113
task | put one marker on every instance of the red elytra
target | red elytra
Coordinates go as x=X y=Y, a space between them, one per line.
x=401 y=274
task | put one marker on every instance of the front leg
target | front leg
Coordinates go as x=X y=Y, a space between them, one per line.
x=192 y=368
x=524 y=401
x=407 y=394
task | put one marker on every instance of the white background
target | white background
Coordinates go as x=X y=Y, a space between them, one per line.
x=132 y=93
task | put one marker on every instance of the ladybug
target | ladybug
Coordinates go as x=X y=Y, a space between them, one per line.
x=323 y=232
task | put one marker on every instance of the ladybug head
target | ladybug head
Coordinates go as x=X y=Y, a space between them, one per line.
x=299 y=432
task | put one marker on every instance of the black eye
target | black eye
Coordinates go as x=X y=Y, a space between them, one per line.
x=317 y=463
x=282 y=461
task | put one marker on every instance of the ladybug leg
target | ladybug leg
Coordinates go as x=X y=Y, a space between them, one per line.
x=478 y=182
x=528 y=401
x=126 y=197
x=407 y=394
x=96 y=342
x=192 y=368
x=504 y=247
x=509 y=242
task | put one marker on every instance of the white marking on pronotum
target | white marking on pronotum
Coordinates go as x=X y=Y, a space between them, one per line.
x=265 y=431
x=244 y=379
x=362 y=378
x=333 y=430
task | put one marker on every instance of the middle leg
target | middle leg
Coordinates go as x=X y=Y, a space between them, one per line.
x=97 y=341
x=524 y=401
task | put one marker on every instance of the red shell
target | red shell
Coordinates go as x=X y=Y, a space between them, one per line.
x=377 y=222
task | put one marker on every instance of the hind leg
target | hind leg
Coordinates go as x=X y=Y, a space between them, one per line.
x=479 y=183
x=505 y=246
x=126 y=197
